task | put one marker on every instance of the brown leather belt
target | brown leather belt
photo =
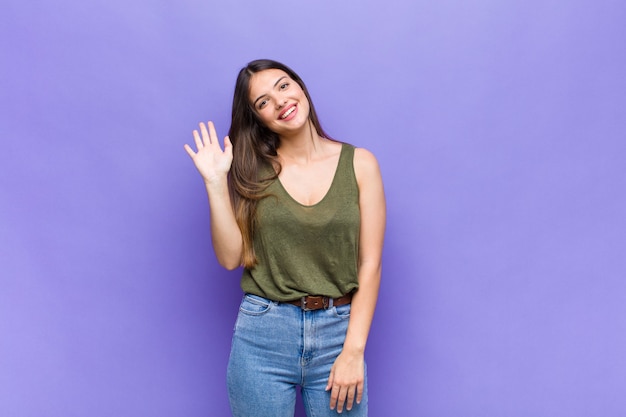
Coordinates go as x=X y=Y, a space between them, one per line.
x=316 y=302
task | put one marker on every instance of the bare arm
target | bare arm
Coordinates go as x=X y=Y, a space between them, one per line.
x=347 y=375
x=213 y=163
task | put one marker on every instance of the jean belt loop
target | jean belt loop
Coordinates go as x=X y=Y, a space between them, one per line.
x=331 y=302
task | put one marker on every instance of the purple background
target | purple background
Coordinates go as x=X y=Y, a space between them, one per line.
x=499 y=127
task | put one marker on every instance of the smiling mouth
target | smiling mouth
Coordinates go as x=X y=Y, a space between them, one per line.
x=288 y=112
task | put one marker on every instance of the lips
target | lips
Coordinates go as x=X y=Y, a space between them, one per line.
x=288 y=113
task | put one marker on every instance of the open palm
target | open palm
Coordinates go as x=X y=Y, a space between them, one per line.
x=212 y=162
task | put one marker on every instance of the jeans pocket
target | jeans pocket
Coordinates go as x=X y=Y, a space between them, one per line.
x=254 y=305
x=343 y=312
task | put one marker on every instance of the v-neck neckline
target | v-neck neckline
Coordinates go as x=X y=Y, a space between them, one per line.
x=332 y=183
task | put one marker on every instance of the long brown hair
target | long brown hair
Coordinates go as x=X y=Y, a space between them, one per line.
x=254 y=145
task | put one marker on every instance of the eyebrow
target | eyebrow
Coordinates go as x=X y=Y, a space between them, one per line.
x=275 y=84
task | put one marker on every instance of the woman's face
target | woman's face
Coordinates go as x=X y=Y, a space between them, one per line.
x=279 y=101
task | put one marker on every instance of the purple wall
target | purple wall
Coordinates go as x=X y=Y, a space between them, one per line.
x=499 y=127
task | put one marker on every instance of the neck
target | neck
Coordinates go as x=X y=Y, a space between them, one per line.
x=301 y=146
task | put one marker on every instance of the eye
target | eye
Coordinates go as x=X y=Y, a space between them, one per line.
x=262 y=103
x=284 y=86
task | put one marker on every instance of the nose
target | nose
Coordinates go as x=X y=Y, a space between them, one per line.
x=280 y=103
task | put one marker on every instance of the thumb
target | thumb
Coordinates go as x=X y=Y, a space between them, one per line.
x=228 y=143
x=331 y=378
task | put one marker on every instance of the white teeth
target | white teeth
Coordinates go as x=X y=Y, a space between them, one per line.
x=288 y=112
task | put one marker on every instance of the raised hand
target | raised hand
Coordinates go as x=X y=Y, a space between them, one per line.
x=212 y=162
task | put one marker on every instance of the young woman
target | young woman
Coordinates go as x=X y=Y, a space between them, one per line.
x=305 y=216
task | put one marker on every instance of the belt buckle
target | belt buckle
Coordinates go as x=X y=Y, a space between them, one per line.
x=316 y=301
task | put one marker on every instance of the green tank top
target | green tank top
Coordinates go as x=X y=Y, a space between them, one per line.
x=307 y=250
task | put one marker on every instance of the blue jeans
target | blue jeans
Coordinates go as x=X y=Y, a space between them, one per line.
x=277 y=347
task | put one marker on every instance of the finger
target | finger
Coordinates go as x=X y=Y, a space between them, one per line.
x=331 y=378
x=359 y=392
x=334 y=397
x=341 y=399
x=189 y=151
x=205 y=134
x=212 y=133
x=350 y=397
x=196 y=138
x=228 y=147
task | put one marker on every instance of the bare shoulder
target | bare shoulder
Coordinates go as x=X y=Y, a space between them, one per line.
x=365 y=165
x=362 y=155
x=371 y=201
